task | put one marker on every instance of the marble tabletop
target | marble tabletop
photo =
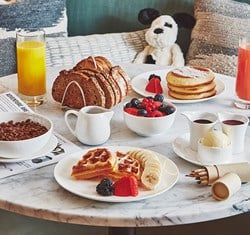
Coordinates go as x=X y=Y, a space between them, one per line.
x=37 y=194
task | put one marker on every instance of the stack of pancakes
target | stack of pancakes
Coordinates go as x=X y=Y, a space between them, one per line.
x=191 y=83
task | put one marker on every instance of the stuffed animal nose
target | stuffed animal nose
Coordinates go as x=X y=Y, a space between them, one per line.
x=158 y=31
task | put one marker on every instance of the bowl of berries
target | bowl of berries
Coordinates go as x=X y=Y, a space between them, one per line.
x=149 y=116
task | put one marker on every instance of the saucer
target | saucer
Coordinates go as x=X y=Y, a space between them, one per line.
x=52 y=143
x=182 y=149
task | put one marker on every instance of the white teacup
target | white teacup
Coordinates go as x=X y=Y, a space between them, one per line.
x=235 y=127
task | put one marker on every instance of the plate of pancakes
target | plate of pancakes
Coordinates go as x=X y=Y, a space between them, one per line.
x=182 y=85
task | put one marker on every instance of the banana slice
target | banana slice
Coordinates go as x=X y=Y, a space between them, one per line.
x=152 y=167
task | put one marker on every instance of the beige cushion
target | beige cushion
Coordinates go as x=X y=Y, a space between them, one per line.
x=214 y=39
x=117 y=47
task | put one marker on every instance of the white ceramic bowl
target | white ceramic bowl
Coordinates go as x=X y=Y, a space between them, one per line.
x=149 y=126
x=214 y=155
x=11 y=149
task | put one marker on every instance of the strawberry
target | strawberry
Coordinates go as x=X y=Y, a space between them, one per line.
x=126 y=186
x=156 y=113
x=154 y=86
x=132 y=111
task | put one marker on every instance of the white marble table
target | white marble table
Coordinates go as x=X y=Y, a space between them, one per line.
x=37 y=194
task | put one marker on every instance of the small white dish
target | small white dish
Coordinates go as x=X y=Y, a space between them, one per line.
x=214 y=155
x=51 y=144
x=139 y=83
x=182 y=148
x=87 y=188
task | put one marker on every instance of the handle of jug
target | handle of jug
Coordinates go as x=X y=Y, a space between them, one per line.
x=66 y=118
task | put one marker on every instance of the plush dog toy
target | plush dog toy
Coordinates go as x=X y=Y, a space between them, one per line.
x=161 y=37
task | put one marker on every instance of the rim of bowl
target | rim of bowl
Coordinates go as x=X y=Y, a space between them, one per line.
x=140 y=117
x=29 y=114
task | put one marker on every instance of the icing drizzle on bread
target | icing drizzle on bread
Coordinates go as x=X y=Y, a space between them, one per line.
x=98 y=83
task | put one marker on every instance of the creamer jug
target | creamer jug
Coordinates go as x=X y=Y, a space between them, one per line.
x=199 y=123
x=92 y=124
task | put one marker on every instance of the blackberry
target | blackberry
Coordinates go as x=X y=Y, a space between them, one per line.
x=154 y=76
x=105 y=187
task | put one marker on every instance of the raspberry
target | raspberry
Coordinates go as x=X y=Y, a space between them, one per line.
x=157 y=104
x=144 y=102
x=126 y=186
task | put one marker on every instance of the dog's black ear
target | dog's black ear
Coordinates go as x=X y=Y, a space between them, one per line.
x=184 y=20
x=147 y=15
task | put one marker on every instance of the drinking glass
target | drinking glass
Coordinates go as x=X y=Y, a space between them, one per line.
x=31 y=66
x=243 y=73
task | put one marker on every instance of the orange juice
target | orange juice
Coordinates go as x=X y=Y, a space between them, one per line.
x=31 y=68
x=243 y=73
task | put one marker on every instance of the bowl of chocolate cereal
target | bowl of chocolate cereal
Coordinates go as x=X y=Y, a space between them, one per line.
x=23 y=133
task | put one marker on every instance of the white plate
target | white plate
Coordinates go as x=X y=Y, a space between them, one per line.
x=45 y=150
x=182 y=149
x=140 y=81
x=87 y=188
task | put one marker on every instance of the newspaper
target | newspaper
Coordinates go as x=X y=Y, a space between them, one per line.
x=9 y=102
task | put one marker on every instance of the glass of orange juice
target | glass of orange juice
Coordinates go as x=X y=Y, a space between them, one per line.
x=31 y=65
x=243 y=73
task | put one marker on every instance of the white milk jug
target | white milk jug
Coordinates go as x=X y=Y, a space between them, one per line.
x=199 y=124
x=92 y=125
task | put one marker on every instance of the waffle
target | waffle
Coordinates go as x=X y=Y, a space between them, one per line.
x=126 y=166
x=95 y=163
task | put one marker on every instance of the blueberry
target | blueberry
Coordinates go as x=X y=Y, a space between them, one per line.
x=159 y=97
x=139 y=106
x=142 y=112
x=163 y=108
x=105 y=187
x=134 y=102
x=170 y=109
x=128 y=105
